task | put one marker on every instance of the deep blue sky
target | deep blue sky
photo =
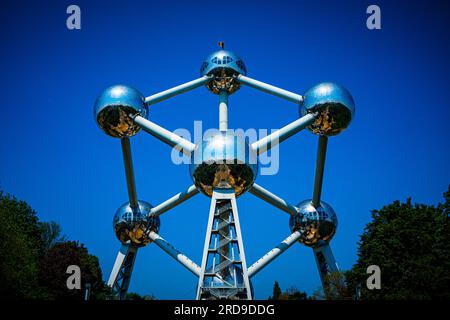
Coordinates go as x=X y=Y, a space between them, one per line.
x=54 y=157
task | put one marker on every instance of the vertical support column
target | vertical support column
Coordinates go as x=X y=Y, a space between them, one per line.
x=129 y=173
x=223 y=273
x=223 y=111
x=326 y=264
x=320 y=166
x=119 y=280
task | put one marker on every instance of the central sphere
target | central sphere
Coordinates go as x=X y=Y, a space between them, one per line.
x=131 y=225
x=224 y=66
x=315 y=224
x=224 y=161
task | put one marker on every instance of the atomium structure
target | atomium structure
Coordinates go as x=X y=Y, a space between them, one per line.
x=223 y=167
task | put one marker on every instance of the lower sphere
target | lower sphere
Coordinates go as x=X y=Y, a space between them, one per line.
x=131 y=225
x=315 y=224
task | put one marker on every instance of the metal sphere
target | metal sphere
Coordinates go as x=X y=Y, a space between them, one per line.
x=113 y=108
x=224 y=161
x=224 y=66
x=132 y=225
x=334 y=104
x=315 y=223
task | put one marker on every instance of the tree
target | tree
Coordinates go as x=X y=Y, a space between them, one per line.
x=53 y=276
x=135 y=296
x=411 y=245
x=34 y=258
x=51 y=234
x=20 y=248
x=276 y=291
x=291 y=293
x=335 y=288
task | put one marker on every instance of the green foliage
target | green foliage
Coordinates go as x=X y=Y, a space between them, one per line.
x=20 y=248
x=138 y=297
x=133 y=296
x=291 y=293
x=53 y=276
x=51 y=234
x=335 y=288
x=276 y=293
x=35 y=257
x=411 y=245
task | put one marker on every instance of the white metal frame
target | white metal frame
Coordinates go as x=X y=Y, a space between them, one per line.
x=326 y=264
x=224 y=194
x=120 y=277
x=121 y=273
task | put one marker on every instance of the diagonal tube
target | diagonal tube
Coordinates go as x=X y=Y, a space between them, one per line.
x=174 y=253
x=279 y=136
x=326 y=264
x=320 y=166
x=120 y=277
x=271 y=198
x=129 y=173
x=267 y=88
x=274 y=253
x=165 y=135
x=174 y=201
x=121 y=256
x=164 y=95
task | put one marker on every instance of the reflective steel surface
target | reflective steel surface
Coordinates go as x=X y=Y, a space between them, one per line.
x=224 y=66
x=134 y=224
x=315 y=223
x=223 y=161
x=113 y=108
x=334 y=104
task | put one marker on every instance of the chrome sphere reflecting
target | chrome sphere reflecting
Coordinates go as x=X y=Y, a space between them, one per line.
x=224 y=161
x=131 y=225
x=224 y=66
x=113 y=108
x=334 y=104
x=315 y=223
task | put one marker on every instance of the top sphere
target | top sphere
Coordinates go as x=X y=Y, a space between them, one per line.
x=114 y=109
x=224 y=66
x=334 y=104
